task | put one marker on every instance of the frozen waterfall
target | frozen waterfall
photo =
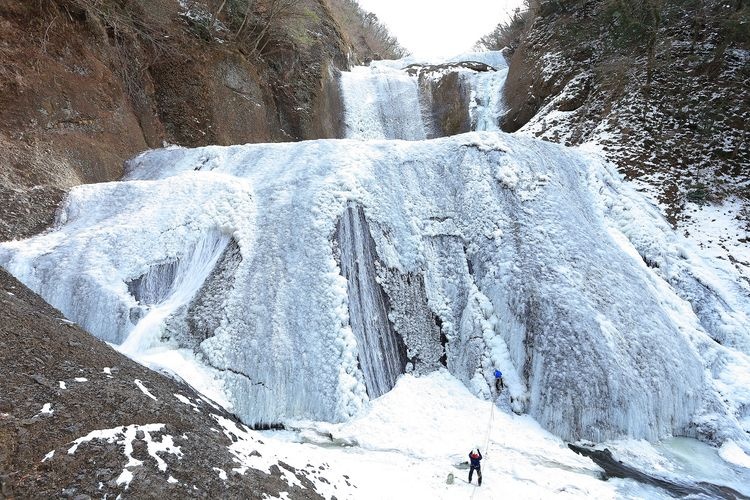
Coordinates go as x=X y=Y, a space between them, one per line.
x=491 y=250
x=309 y=275
x=382 y=104
x=405 y=99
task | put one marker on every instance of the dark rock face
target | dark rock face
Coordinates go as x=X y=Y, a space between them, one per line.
x=41 y=350
x=450 y=99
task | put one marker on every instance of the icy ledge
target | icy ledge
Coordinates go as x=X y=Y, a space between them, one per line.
x=492 y=250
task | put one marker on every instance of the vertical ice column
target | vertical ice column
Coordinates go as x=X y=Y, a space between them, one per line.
x=487 y=105
x=382 y=353
x=382 y=103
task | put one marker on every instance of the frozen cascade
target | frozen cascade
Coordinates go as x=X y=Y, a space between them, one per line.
x=167 y=287
x=488 y=250
x=487 y=103
x=382 y=103
x=394 y=99
x=516 y=243
x=163 y=274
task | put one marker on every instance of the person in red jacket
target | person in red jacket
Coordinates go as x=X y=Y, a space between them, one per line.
x=475 y=456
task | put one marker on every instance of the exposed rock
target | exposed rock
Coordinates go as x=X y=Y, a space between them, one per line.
x=450 y=98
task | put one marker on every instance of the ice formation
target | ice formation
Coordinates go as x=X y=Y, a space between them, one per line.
x=384 y=101
x=310 y=275
x=371 y=116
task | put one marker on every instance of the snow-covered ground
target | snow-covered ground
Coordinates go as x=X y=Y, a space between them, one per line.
x=719 y=232
x=406 y=443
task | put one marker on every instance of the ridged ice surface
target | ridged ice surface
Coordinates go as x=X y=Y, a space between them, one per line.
x=492 y=250
x=382 y=354
x=380 y=103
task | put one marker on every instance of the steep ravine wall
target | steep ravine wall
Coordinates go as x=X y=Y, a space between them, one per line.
x=77 y=98
x=662 y=86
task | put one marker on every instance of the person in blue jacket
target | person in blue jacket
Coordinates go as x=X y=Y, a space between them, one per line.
x=475 y=457
x=499 y=385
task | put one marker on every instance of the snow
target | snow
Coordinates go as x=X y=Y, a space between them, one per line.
x=81 y=380
x=47 y=409
x=187 y=365
x=406 y=443
x=124 y=478
x=184 y=400
x=145 y=390
x=166 y=445
x=493 y=58
x=732 y=453
x=222 y=473
x=48 y=456
x=719 y=233
x=124 y=437
x=62 y=385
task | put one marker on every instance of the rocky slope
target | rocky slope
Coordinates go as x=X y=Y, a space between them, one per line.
x=58 y=384
x=664 y=87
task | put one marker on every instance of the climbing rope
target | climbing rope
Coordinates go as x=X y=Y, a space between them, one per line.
x=489 y=429
x=487 y=438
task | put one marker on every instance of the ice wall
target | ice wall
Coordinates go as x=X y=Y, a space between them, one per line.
x=382 y=103
x=144 y=269
x=382 y=353
x=502 y=251
x=166 y=289
x=487 y=102
x=311 y=275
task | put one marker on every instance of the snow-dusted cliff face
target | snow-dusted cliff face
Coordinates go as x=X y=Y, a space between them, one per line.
x=310 y=275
